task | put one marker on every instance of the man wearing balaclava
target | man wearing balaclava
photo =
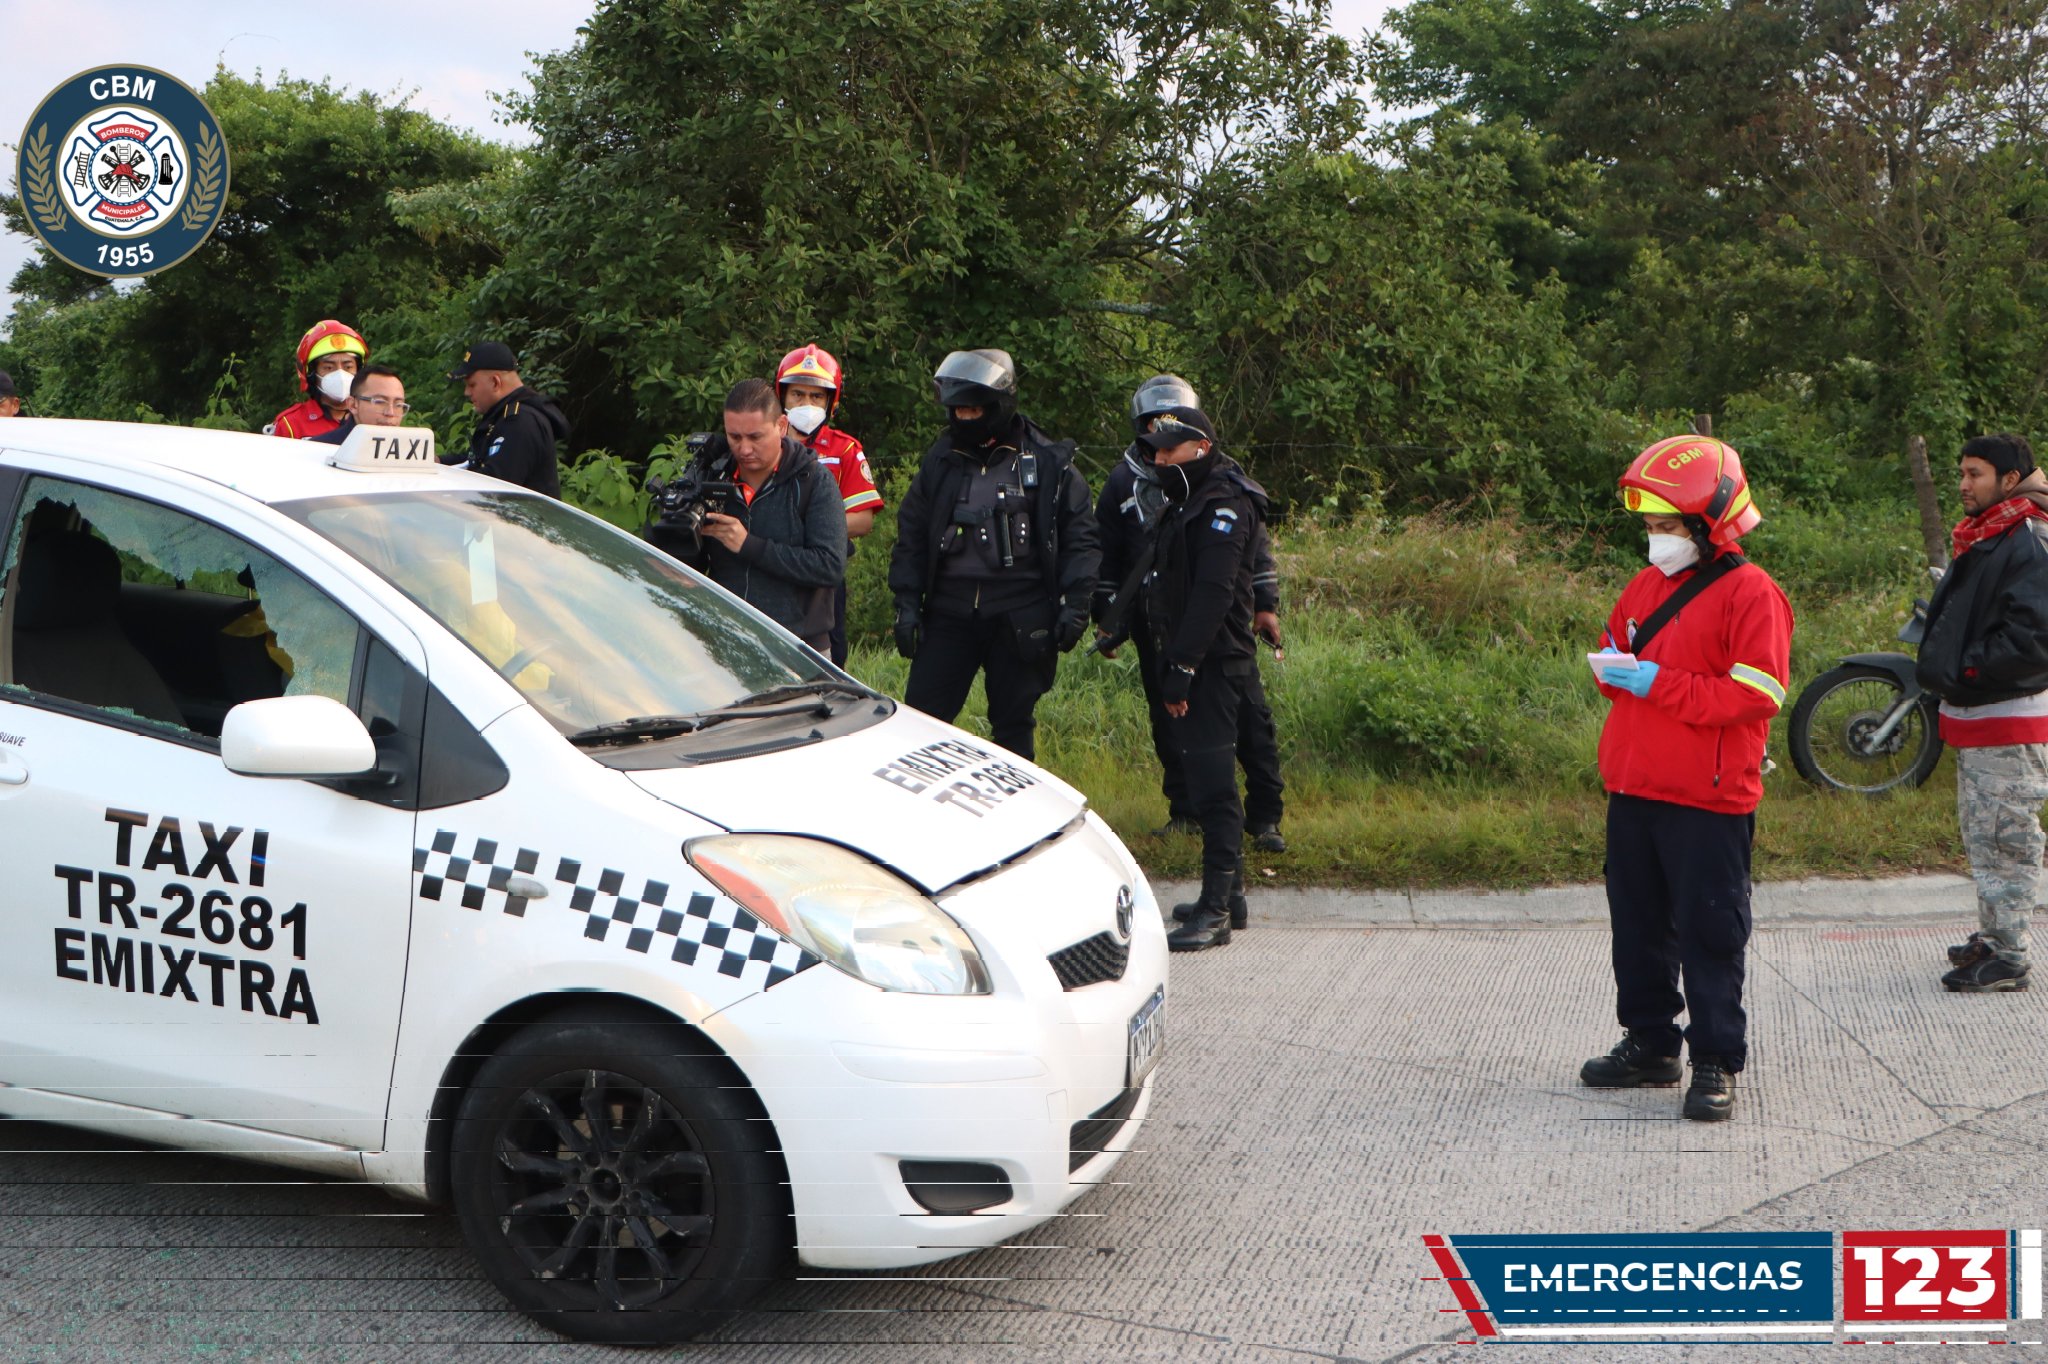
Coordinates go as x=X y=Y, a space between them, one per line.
x=1198 y=608
x=996 y=554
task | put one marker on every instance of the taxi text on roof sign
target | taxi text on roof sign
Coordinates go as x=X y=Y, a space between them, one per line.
x=389 y=449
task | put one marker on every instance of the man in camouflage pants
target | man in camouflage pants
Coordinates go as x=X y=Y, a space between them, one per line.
x=1986 y=656
x=1999 y=793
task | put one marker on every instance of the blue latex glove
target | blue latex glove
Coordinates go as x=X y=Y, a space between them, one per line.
x=1635 y=680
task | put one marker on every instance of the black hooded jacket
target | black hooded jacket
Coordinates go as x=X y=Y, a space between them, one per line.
x=1198 y=601
x=794 y=557
x=1128 y=511
x=516 y=439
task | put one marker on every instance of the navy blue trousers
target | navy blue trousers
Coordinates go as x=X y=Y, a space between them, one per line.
x=954 y=649
x=1678 y=900
x=1258 y=745
x=1205 y=742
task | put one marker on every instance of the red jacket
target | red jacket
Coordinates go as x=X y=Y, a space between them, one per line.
x=1723 y=661
x=301 y=420
x=848 y=464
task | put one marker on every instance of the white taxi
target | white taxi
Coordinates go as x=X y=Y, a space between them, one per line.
x=384 y=820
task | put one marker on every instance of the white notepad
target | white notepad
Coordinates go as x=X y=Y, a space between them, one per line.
x=1608 y=658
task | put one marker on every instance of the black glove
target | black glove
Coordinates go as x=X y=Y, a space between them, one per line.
x=908 y=630
x=1067 y=633
x=1175 y=682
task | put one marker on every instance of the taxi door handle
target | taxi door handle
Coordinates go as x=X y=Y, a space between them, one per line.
x=12 y=773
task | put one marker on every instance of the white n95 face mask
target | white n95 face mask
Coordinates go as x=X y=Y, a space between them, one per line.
x=334 y=385
x=1673 y=553
x=806 y=417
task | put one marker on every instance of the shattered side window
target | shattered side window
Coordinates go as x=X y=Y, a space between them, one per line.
x=153 y=615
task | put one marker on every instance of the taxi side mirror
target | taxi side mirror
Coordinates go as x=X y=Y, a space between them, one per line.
x=296 y=736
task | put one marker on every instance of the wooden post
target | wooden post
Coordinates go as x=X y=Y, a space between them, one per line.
x=1703 y=423
x=1933 y=531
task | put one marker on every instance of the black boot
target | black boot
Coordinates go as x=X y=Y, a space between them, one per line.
x=1208 y=922
x=1240 y=910
x=1632 y=1063
x=1711 y=1096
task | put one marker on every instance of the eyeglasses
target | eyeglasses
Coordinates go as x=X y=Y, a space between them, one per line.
x=398 y=405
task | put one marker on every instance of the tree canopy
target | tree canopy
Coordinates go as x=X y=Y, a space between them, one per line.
x=1821 y=220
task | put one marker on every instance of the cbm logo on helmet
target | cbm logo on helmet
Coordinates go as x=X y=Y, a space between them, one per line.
x=123 y=171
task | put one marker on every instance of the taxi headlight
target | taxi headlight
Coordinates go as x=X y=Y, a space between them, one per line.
x=864 y=919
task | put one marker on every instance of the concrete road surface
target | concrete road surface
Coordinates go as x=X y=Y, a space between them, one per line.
x=1354 y=1072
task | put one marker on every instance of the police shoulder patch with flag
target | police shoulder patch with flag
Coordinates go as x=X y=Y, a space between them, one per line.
x=123 y=171
x=1225 y=520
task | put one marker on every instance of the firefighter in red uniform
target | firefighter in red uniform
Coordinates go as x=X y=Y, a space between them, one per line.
x=807 y=381
x=330 y=353
x=1702 y=640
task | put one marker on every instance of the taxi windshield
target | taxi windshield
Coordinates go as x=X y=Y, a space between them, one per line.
x=591 y=625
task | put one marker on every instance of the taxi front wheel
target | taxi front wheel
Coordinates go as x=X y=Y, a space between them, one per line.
x=617 y=1187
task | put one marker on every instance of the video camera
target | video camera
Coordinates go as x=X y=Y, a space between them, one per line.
x=704 y=486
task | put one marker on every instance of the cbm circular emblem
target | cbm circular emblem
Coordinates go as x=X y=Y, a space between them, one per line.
x=123 y=171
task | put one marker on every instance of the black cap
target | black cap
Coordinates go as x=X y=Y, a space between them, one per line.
x=1178 y=426
x=7 y=388
x=485 y=355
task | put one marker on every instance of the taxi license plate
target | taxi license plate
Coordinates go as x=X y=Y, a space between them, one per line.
x=1148 y=1039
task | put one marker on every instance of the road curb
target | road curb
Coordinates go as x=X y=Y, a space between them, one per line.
x=1935 y=897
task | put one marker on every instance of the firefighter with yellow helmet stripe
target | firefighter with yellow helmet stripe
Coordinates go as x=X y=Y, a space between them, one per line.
x=328 y=357
x=1698 y=652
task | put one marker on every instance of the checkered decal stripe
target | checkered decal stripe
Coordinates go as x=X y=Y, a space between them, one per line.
x=706 y=931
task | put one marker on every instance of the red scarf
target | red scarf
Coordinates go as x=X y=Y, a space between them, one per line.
x=1995 y=521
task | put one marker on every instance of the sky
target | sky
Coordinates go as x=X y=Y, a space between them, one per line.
x=444 y=57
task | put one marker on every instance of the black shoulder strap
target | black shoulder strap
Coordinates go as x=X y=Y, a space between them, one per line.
x=1673 y=604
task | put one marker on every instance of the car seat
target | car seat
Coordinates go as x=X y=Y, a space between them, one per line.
x=66 y=639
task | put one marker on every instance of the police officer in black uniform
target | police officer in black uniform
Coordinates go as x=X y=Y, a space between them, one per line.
x=517 y=427
x=996 y=556
x=1126 y=514
x=1198 y=607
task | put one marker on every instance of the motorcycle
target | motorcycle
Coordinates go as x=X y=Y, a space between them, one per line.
x=1866 y=725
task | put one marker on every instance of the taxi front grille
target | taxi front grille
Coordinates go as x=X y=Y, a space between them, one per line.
x=1092 y=1135
x=1091 y=961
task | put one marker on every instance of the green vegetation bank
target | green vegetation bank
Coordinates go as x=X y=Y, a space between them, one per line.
x=1436 y=339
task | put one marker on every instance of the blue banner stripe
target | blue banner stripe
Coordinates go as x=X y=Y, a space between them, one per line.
x=1645 y=1279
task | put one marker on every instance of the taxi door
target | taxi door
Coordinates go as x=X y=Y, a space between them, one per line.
x=173 y=936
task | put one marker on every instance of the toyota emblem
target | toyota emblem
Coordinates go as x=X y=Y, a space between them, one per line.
x=1126 y=904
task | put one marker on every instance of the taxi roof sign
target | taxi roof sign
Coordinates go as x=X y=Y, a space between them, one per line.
x=388 y=450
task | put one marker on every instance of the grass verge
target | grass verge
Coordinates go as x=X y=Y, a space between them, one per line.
x=1437 y=723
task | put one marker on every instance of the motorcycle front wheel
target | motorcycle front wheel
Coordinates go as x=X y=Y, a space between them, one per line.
x=1834 y=727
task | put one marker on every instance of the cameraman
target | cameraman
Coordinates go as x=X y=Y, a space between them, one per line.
x=774 y=534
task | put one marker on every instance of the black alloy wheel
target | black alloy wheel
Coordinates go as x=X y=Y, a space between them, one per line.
x=614 y=1186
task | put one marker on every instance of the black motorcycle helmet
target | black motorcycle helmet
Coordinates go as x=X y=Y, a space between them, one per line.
x=1156 y=395
x=986 y=379
x=978 y=378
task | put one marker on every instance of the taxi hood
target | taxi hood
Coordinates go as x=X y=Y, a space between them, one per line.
x=930 y=801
